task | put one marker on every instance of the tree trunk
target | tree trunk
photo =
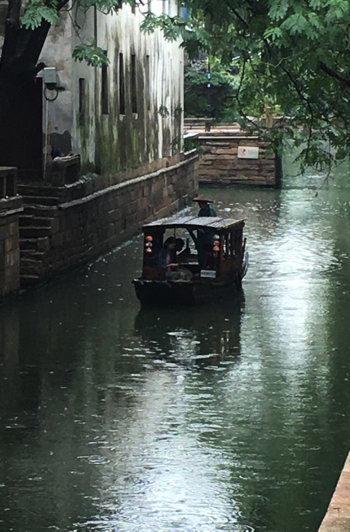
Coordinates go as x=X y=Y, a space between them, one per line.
x=20 y=94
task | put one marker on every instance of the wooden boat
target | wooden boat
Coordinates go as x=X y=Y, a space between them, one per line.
x=211 y=266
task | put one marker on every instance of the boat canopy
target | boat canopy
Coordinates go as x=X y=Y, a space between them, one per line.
x=194 y=222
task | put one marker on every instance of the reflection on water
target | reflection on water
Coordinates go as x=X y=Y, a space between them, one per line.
x=191 y=337
x=222 y=417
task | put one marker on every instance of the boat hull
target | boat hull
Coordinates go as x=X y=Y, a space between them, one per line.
x=181 y=292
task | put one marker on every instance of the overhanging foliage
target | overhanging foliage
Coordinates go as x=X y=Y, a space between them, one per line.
x=292 y=53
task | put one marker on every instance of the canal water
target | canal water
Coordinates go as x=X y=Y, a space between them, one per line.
x=228 y=417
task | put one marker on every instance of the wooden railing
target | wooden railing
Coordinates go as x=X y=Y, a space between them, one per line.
x=196 y=122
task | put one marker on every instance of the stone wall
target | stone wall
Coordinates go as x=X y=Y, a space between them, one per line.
x=337 y=518
x=64 y=226
x=10 y=207
x=220 y=162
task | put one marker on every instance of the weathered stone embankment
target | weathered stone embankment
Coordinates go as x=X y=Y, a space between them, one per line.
x=62 y=226
x=10 y=209
x=337 y=518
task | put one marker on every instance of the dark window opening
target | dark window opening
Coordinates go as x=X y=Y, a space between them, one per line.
x=104 y=89
x=121 y=85
x=82 y=99
x=133 y=84
x=148 y=88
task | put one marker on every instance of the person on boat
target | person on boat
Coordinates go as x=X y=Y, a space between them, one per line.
x=166 y=259
x=167 y=254
x=205 y=237
x=179 y=244
x=182 y=254
x=205 y=209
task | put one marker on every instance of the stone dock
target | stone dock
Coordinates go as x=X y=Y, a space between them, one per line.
x=337 y=518
x=231 y=156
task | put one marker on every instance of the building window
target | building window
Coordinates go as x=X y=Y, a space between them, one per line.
x=121 y=85
x=133 y=84
x=133 y=8
x=82 y=99
x=104 y=89
x=148 y=87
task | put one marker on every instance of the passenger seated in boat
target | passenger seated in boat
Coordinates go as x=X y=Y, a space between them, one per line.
x=167 y=254
x=166 y=259
x=179 y=244
x=183 y=255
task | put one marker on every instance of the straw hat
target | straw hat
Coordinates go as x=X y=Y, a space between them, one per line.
x=204 y=198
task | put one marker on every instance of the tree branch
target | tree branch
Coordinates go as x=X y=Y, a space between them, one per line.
x=334 y=74
x=237 y=15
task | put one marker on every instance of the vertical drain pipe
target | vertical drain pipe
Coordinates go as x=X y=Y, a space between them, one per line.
x=46 y=124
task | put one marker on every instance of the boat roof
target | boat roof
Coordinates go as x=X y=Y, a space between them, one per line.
x=194 y=222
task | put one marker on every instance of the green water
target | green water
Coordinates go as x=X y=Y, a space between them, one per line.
x=226 y=417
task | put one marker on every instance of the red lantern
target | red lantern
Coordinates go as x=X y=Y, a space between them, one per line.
x=149 y=243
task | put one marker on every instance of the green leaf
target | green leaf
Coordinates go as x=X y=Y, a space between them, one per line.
x=49 y=14
x=316 y=4
x=273 y=34
x=35 y=12
x=296 y=24
x=337 y=10
x=278 y=9
x=90 y=53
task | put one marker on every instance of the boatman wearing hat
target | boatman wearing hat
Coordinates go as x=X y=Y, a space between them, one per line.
x=205 y=237
x=205 y=209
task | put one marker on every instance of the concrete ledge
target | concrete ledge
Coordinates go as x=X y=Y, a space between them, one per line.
x=337 y=518
x=125 y=184
x=10 y=206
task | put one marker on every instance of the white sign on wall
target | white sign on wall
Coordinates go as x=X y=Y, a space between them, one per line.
x=208 y=274
x=248 y=152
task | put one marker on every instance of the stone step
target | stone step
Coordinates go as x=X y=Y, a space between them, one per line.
x=30 y=266
x=30 y=220
x=33 y=232
x=28 y=279
x=40 y=200
x=34 y=244
x=28 y=243
x=41 y=190
x=40 y=210
x=32 y=254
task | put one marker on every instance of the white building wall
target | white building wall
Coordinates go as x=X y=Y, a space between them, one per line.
x=114 y=141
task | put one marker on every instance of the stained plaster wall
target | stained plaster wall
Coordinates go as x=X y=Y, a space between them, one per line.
x=114 y=142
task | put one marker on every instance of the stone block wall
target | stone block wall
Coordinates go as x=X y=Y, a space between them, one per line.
x=64 y=226
x=220 y=164
x=10 y=208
